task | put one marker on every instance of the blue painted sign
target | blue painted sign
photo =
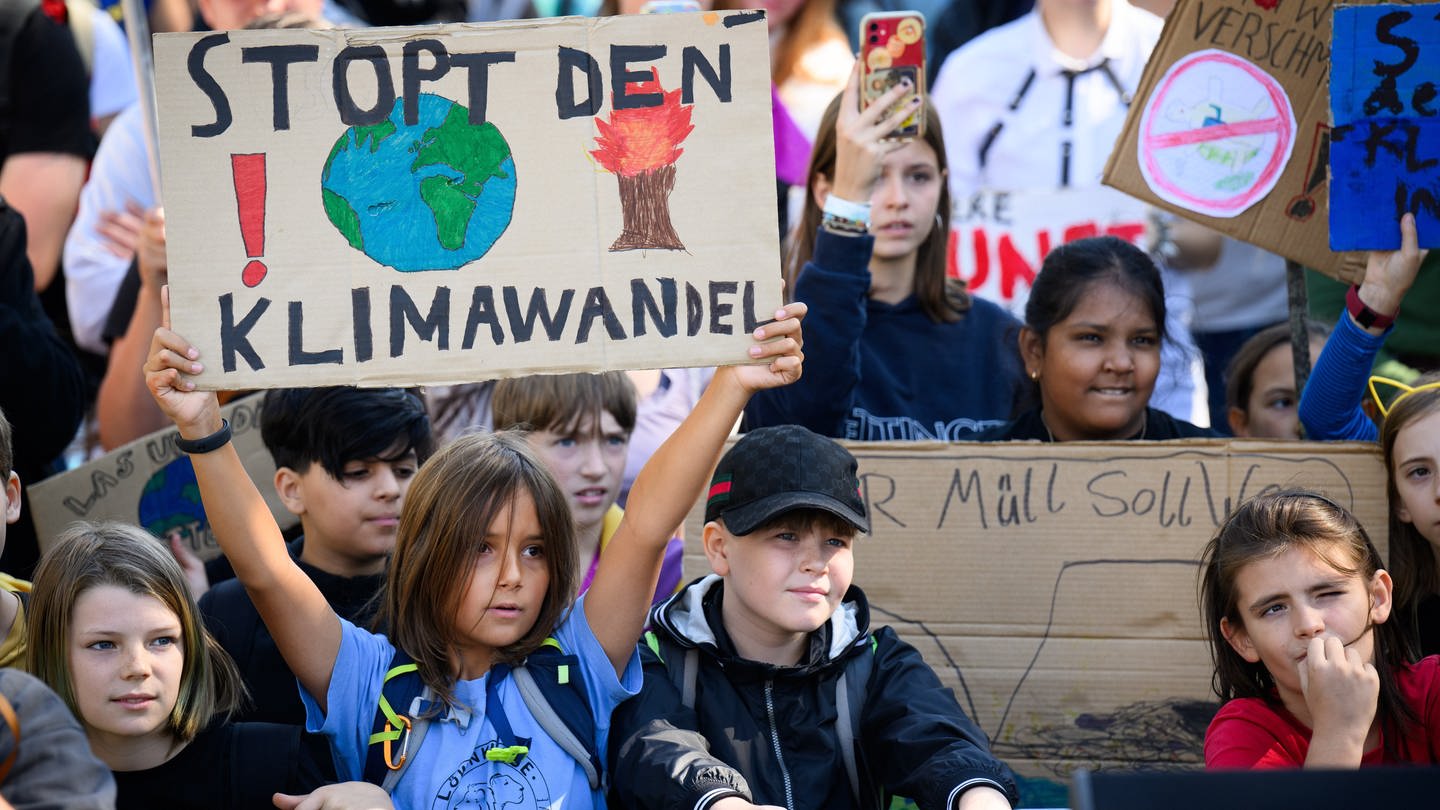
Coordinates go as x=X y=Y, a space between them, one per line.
x=1385 y=106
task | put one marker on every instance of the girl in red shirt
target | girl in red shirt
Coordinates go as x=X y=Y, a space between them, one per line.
x=1295 y=603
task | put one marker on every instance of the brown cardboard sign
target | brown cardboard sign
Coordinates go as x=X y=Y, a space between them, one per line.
x=1053 y=586
x=447 y=204
x=1230 y=126
x=150 y=483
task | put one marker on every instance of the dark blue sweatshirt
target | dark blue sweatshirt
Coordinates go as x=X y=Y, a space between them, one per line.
x=879 y=372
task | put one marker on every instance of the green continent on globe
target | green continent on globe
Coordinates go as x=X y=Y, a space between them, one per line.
x=475 y=152
x=337 y=208
x=343 y=216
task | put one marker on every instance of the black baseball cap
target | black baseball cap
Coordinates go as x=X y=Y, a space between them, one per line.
x=774 y=470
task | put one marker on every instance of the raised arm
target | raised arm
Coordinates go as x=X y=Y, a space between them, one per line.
x=670 y=482
x=126 y=413
x=305 y=629
x=835 y=281
x=1330 y=405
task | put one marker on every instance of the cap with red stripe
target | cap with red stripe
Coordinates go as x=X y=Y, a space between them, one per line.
x=779 y=469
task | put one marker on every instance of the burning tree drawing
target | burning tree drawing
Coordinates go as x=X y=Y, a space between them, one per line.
x=640 y=146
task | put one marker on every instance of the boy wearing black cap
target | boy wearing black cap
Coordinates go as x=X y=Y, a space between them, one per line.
x=764 y=683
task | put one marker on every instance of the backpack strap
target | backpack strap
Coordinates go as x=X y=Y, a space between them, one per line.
x=684 y=681
x=547 y=684
x=556 y=698
x=400 y=722
x=850 y=689
x=692 y=674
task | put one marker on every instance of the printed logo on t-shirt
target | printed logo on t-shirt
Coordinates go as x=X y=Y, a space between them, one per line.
x=473 y=786
x=863 y=426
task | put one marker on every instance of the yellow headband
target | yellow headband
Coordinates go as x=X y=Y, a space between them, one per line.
x=1407 y=389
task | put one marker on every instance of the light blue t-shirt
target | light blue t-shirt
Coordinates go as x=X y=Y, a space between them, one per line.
x=450 y=769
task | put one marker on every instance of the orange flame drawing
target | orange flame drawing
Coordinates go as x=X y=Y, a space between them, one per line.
x=644 y=139
x=640 y=147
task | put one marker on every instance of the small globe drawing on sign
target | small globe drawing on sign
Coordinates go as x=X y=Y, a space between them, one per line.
x=433 y=196
x=170 y=504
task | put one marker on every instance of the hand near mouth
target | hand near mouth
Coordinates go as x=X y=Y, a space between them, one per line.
x=1341 y=692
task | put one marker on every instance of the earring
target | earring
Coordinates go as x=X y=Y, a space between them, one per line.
x=1035 y=375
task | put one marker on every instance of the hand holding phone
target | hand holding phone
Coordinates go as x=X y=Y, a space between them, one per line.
x=893 y=49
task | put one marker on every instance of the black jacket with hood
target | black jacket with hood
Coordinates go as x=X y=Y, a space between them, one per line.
x=768 y=733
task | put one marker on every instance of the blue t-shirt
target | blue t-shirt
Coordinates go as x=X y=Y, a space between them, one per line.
x=450 y=769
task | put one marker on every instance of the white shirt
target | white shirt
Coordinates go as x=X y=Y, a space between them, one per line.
x=119 y=174
x=112 y=76
x=978 y=82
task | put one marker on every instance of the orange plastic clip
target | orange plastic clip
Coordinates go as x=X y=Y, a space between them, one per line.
x=404 y=745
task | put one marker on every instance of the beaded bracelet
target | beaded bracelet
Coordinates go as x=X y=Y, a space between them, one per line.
x=206 y=444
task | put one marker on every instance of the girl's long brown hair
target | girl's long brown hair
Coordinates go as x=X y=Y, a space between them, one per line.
x=454 y=499
x=88 y=555
x=1262 y=528
x=942 y=299
x=1413 y=562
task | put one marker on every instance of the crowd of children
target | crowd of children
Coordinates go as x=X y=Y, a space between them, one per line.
x=492 y=612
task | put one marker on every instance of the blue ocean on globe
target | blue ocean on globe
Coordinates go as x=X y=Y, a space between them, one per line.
x=434 y=196
x=170 y=501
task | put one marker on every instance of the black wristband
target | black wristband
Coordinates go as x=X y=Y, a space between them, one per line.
x=214 y=441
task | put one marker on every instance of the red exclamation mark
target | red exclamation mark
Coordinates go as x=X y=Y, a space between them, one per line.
x=249 y=171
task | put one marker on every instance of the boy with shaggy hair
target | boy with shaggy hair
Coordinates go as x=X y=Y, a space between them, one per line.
x=765 y=684
x=344 y=458
x=580 y=426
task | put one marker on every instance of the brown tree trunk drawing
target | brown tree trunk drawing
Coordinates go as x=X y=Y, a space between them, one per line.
x=645 y=204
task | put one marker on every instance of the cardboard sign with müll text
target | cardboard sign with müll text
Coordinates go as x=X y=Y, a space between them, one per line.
x=446 y=204
x=1053 y=586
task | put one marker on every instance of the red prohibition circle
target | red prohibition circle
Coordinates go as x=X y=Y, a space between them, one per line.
x=1281 y=125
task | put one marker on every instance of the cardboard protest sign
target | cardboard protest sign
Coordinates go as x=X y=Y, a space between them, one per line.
x=998 y=239
x=1230 y=126
x=1053 y=586
x=1385 y=147
x=458 y=203
x=150 y=483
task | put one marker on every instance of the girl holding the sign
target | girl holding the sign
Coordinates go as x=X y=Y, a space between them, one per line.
x=1091 y=344
x=897 y=349
x=479 y=598
x=1296 y=605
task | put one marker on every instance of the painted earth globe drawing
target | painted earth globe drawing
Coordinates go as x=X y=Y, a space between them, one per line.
x=170 y=502
x=433 y=196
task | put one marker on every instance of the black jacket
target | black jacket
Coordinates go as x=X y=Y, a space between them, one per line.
x=230 y=766
x=1159 y=426
x=232 y=619
x=768 y=733
x=42 y=386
